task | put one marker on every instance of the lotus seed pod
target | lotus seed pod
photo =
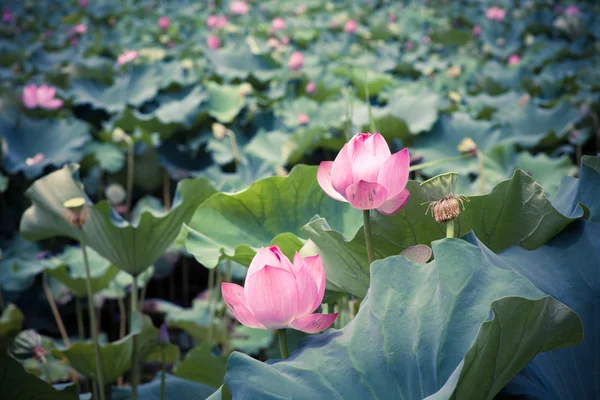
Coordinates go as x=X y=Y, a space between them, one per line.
x=447 y=208
x=115 y=193
x=75 y=211
x=467 y=146
x=219 y=130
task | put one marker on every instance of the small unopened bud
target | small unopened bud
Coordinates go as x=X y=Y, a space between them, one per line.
x=219 y=131
x=163 y=335
x=28 y=344
x=245 y=89
x=118 y=135
x=115 y=194
x=447 y=208
x=455 y=97
x=75 y=211
x=454 y=71
x=467 y=146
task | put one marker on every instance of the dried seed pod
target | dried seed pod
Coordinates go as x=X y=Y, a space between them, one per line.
x=447 y=207
x=76 y=212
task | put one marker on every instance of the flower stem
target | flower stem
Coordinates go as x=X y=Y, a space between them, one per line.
x=211 y=302
x=130 y=172
x=55 y=312
x=368 y=236
x=283 y=346
x=122 y=328
x=438 y=162
x=481 y=172
x=450 y=228
x=167 y=191
x=79 y=312
x=99 y=374
x=47 y=371
x=163 y=372
x=134 y=355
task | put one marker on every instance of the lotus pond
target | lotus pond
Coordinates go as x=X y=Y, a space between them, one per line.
x=309 y=199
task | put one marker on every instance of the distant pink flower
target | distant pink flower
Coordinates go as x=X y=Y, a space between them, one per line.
x=311 y=88
x=495 y=14
x=164 y=22
x=280 y=294
x=514 y=59
x=83 y=3
x=38 y=158
x=171 y=44
x=7 y=16
x=392 y=17
x=350 y=26
x=296 y=61
x=213 y=42
x=216 y=22
x=239 y=8
x=333 y=25
x=127 y=56
x=273 y=43
x=367 y=175
x=278 y=24
x=476 y=30
x=42 y=97
x=285 y=40
x=426 y=39
x=300 y=10
x=408 y=45
x=572 y=11
x=303 y=119
x=79 y=29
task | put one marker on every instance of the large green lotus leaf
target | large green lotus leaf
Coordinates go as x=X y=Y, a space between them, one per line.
x=108 y=156
x=360 y=77
x=133 y=248
x=423 y=330
x=195 y=320
x=272 y=210
x=567 y=269
x=224 y=101
x=116 y=356
x=175 y=389
x=69 y=269
x=585 y=190
x=138 y=85
x=516 y=212
x=235 y=63
x=321 y=115
x=249 y=340
x=19 y=264
x=201 y=365
x=59 y=141
x=11 y=320
x=451 y=37
x=528 y=125
x=17 y=384
x=501 y=162
x=118 y=288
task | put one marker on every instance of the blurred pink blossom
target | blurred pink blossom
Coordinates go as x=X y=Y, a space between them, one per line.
x=392 y=17
x=7 y=16
x=239 y=8
x=514 y=59
x=426 y=39
x=213 y=42
x=408 y=45
x=311 y=88
x=43 y=96
x=216 y=22
x=285 y=40
x=303 y=119
x=296 y=61
x=300 y=10
x=278 y=24
x=38 y=158
x=164 y=22
x=476 y=30
x=495 y=14
x=350 y=26
x=573 y=11
x=273 y=43
x=127 y=56
x=83 y=3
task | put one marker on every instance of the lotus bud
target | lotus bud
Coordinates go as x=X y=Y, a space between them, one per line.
x=467 y=146
x=219 y=131
x=28 y=344
x=245 y=89
x=118 y=135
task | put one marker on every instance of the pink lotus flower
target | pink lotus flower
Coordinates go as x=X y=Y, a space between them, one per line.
x=164 y=22
x=80 y=29
x=83 y=3
x=476 y=30
x=213 y=42
x=239 y=8
x=392 y=17
x=408 y=45
x=127 y=56
x=572 y=11
x=495 y=14
x=216 y=22
x=350 y=26
x=296 y=61
x=273 y=43
x=514 y=59
x=311 y=88
x=367 y=175
x=278 y=24
x=285 y=40
x=280 y=294
x=303 y=119
x=38 y=158
x=7 y=16
x=426 y=39
x=42 y=97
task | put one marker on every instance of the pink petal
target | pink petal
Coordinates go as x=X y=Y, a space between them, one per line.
x=45 y=93
x=366 y=195
x=341 y=171
x=52 y=104
x=324 y=179
x=308 y=289
x=365 y=165
x=378 y=146
x=236 y=301
x=393 y=173
x=272 y=296
x=266 y=256
x=29 y=96
x=314 y=323
x=316 y=269
x=394 y=204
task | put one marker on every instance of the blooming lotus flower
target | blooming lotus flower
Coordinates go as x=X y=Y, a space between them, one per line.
x=216 y=22
x=280 y=294
x=495 y=14
x=164 y=22
x=311 y=88
x=38 y=158
x=127 y=56
x=572 y=11
x=83 y=3
x=239 y=8
x=296 y=61
x=213 y=42
x=278 y=24
x=303 y=119
x=426 y=39
x=476 y=30
x=350 y=26
x=367 y=175
x=80 y=29
x=514 y=59
x=42 y=97
x=7 y=16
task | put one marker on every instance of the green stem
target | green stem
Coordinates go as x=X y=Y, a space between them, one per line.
x=79 y=312
x=134 y=355
x=283 y=346
x=1 y=299
x=91 y=308
x=163 y=372
x=211 y=302
x=122 y=328
x=368 y=236
x=440 y=161
x=130 y=172
x=167 y=191
x=47 y=372
x=481 y=172
x=55 y=312
x=450 y=228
